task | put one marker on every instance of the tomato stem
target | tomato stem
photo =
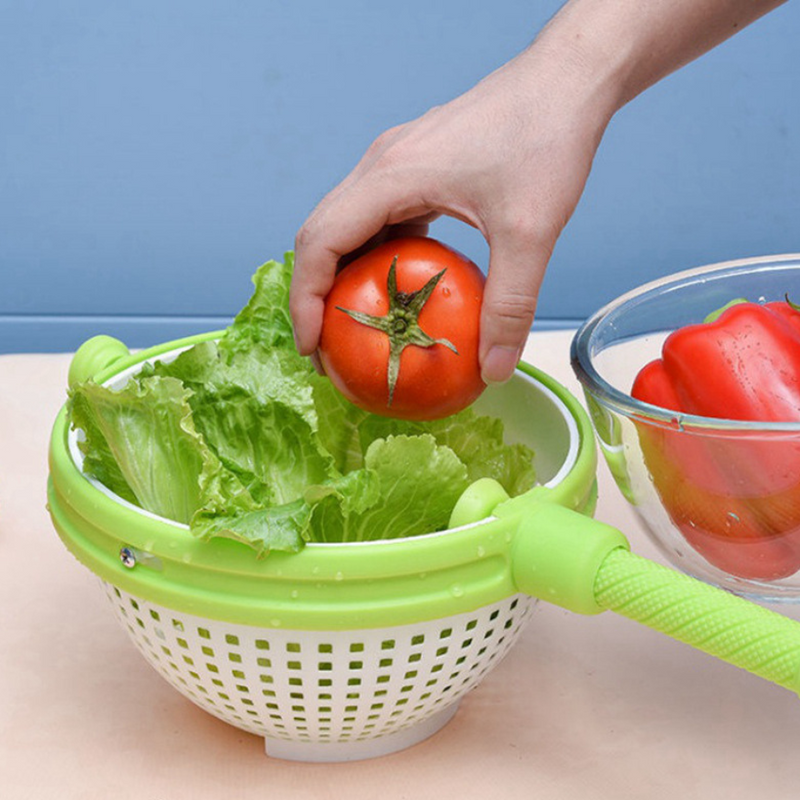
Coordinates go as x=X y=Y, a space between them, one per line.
x=401 y=322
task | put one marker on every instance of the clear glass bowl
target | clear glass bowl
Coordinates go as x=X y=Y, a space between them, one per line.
x=720 y=498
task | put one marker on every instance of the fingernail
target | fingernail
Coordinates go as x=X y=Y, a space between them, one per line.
x=499 y=364
x=317 y=363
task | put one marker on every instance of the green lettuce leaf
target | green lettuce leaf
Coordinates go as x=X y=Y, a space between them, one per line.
x=339 y=424
x=265 y=319
x=98 y=458
x=476 y=440
x=408 y=486
x=147 y=429
x=264 y=529
x=241 y=439
x=257 y=416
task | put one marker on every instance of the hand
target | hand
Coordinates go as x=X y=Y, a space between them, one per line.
x=510 y=157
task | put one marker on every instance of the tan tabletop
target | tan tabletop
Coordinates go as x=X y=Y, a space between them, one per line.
x=580 y=708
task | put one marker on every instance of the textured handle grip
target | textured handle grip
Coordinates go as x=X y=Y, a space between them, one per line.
x=721 y=624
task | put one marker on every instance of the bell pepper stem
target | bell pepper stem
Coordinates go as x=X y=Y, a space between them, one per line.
x=715 y=315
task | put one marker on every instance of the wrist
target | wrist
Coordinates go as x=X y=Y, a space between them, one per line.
x=590 y=57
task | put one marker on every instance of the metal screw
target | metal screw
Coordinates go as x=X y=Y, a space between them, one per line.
x=127 y=557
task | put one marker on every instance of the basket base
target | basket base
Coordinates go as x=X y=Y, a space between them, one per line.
x=320 y=752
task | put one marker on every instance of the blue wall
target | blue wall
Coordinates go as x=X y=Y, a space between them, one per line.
x=152 y=154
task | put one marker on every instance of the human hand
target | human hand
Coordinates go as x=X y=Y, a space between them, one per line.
x=510 y=157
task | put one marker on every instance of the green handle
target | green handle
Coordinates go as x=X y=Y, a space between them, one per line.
x=585 y=566
x=94 y=356
x=718 y=623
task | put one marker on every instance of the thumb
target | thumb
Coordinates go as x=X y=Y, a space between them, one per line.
x=516 y=268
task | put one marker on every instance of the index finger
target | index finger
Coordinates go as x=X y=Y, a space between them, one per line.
x=346 y=220
x=319 y=246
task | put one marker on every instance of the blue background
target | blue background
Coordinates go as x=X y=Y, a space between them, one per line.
x=152 y=154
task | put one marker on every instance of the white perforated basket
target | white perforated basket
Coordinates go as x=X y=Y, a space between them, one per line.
x=325 y=695
x=342 y=651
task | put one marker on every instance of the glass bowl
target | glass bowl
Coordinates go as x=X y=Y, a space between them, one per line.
x=719 y=498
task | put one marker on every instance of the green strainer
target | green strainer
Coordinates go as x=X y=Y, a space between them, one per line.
x=351 y=651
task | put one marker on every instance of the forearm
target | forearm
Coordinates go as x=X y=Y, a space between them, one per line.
x=625 y=46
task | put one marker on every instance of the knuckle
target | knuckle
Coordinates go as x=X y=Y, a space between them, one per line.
x=305 y=235
x=529 y=220
x=515 y=312
x=383 y=142
x=531 y=230
x=387 y=160
x=393 y=154
x=383 y=139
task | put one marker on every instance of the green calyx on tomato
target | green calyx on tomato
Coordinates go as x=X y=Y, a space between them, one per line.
x=401 y=322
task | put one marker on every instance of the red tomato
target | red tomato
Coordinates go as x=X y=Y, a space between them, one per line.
x=405 y=347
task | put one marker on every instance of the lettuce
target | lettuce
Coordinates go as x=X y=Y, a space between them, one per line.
x=241 y=439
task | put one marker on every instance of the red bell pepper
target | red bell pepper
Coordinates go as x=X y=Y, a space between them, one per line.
x=733 y=494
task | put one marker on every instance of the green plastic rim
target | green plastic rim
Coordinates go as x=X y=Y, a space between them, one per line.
x=325 y=586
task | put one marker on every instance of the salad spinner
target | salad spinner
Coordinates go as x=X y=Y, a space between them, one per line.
x=350 y=651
